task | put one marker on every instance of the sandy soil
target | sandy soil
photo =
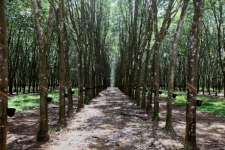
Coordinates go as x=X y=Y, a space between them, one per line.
x=113 y=122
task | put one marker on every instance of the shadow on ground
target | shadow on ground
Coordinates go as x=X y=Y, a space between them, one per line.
x=23 y=127
x=113 y=122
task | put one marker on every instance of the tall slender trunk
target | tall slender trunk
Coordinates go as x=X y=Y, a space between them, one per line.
x=156 y=57
x=68 y=78
x=80 y=81
x=193 y=56
x=62 y=66
x=3 y=77
x=43 y=45
x=80 y=61
x=173 y=60
x=147 y=67
x=43 y=126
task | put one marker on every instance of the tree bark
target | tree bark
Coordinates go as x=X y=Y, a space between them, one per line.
x=68 y=82
x=193 y=56
x=3 y=77
x=43 y=44
x=173 y=60
x=80 y=62
x=62 y=66
x=156 y=57
x=147 y=67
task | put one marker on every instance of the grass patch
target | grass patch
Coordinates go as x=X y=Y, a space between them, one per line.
x=210 y=104
x=181 y=100
x=24 y=102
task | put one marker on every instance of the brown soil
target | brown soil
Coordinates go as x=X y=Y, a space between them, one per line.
x=113 y=122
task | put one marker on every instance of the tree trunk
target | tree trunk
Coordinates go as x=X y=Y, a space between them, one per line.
x=80 y=61
x=70 y=97
x=3 y=77
x=62 y=67
x=68 y=78
x=190 y=134
x=173 y=61
x=224 y=84
x=43 y=45
x=156 y=57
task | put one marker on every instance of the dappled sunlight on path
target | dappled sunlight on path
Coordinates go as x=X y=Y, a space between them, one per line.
x=210 y=128
x=111 y=122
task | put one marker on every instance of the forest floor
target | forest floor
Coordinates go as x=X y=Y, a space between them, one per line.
x=112 y=121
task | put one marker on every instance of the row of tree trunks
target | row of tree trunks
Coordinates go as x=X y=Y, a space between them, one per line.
x=93 y=66
x=96 y=66
x=129 y=67
x=219 y=18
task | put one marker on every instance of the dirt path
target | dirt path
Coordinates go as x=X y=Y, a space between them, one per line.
x=113 y=122
x=110 y=122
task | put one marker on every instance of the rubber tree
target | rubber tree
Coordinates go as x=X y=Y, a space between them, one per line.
x=62 y=64
x=43 y=45
x=192 y=79
x=80 y=60
x=149 y=29
x=173 y=61
x=159 y=36
x=3 y=77
x=68 y=76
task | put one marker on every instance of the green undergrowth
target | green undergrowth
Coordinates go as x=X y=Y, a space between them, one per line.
x=211 y=104
x=24 y=102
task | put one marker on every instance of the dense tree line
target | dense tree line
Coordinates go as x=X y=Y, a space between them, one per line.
x=23 y=45
x=170 y=45
x=162 y=47
x=53 y=45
